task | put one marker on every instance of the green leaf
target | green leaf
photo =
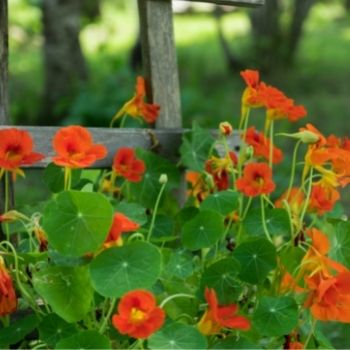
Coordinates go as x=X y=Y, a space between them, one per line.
x=277 y=222
x=340 y=243
x=222 y=277
x=146 y=191
x=119 y=270
x=234 y=343
x=66 y=289
x=133 y=211
x=77 y=223
x=178 y=336
x=85 y=340
x=180 y=264
x=195 y=148
x=54 y=177
x=53 y=328
x=276 y=316
x=257 y=259
x=223 y=202
x=291 y=258
x=163 y=230
x=17 y=330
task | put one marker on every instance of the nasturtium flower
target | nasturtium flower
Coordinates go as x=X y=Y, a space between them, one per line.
x=199 y=187
x=121 y=223
x=75 y=148
x=252 y=96
x=16 y=149
x=126 y=164
x=137 y=107
x=322 y=198
x=256 y=180
x=225 y=128
x=138 y=314
x=217 y=317
x=8 y=299
x=261 y=145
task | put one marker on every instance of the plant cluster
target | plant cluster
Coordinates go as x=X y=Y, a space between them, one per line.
x=114 y=261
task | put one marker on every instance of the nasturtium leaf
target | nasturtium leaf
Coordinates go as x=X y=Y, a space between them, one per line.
x=277 y=222
x=291 y=258
x=179 y=264
x=53 y=328
x=223 y=202
x=54 y=177
x=340 y=243
x=146 y=191
x=186 y=214
x=119 y=270
x=84 y=340
x=276 y=316
x=222 y=277
x=257 y=258
x=195 y=148
x=163 y=230
x=66 y=289
x=234 y=343
x=77 y=223
x=17 y=330
x=203 y=231
x=175 y=335
x=133 y=211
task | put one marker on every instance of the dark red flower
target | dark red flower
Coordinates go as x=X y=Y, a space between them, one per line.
x=126 y=164
x=8 y=299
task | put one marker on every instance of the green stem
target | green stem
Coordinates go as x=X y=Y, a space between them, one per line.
x=122 y=122
x=308 y=194
x=271 y=146
x=312 y=331
x=154 y=214
x=263 y=219
x=245 y=212
x=67 y=178
x=171 y=297
x=18 y=280
x=7 y=204
x=294 y=163
x=108 y=316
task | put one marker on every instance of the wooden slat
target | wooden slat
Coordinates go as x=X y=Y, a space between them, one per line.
x=3 y=62
x=167 y=141
x=240 y=3
x=160 y=61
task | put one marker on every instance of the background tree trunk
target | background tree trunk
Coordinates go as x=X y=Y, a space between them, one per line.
x=64 y=63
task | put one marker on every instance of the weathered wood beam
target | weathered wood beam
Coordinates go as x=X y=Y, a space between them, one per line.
x=240 y=3
x=166 y=142
x=160 y=60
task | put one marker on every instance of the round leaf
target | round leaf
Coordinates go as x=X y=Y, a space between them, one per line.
x=66 y=289
x=257 y=259
x=223 y=202
x=276 y=316
x=180 y=264
x=84 y=340
x=203 y=231
x=340 y=250
x=177 y=336
x=133 y=211
x=222 y=277
x=77 y=223
x=119 y=270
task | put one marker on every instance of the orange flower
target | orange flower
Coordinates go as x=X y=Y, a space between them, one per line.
x=217 y=317
x=75 y=148
x=251 y=95
x=8 y=299
x=137 y=107
x=16 y=149
x=126 y=164
x=138 y=314
x=121 y=224
x=295 y=200
x=322 y=198
x=199 y=187
x=256 y=180
x=295 y=345
x=261 y=145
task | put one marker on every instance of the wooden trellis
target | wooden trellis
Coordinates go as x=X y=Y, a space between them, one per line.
x=160 y=71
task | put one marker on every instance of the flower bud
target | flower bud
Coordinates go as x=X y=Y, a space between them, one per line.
x=225 y=128
x=304 y=136
x=12 y=215
x=163 y=179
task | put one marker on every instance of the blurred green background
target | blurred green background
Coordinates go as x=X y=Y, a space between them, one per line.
x=319 y=76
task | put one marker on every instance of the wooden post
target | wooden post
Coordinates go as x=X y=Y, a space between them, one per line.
x=160 y=60
x=238 y=3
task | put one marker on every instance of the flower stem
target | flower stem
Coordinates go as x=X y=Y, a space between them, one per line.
x=108 y=316
x=67 y=178
x=171 y=297
x=7 y=204
x=307 y=199
x=263 y=219
x=271 y=145
x=154 y=214
x=294 y=163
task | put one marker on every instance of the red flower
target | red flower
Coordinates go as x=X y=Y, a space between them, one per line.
x=127 y=165
x=256 y=180
x=8 y=300
x=137 y=107
x=200 y=189
x=121 y=223
x=252 y=96
x=217 y=317
x=261 y=146
x=138 y=314
x=322 y=198
x=16 y=149
x=75 y=148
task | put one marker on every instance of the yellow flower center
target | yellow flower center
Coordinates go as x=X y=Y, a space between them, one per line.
x=137 y=315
